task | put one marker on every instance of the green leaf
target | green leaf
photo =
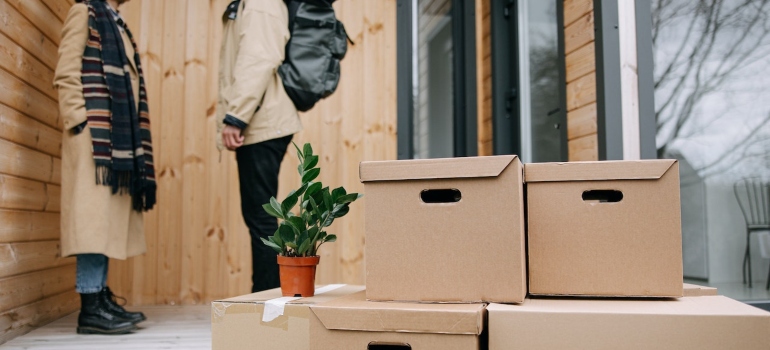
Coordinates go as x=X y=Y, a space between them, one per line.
x=310 y=175
x=337 y=193
x=301 y=190
x=291 y=245
x=271 y=245
x=300 y=169
x=286 y=233
x=330 y=238
x=327 y=197
x=316 y=210
x=277 y=206
x=321 y=236
x=276 y=238
x=312 y=233
x=271 y=211
x=296 y=223
x=348 y=198
x=310 y=162
x=308 y=150
x=313 y=189
x=299 y=153
x=290 y=201
x=342 y=211
x=304 y=247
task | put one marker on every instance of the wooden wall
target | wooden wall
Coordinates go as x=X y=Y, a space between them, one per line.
x=198 y=246
x=36 y=284
x=581 y=79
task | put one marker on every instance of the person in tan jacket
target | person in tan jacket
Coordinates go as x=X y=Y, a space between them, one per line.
x=257 y=117
x=107 y=172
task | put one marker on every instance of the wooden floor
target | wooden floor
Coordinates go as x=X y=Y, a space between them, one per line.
x=167 y=327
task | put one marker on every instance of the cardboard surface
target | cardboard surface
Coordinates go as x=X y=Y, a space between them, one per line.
x=692 y=290
x=703 y=323
x=351 y=322
x=236 y=323
x=582 y=246
x=467 y=251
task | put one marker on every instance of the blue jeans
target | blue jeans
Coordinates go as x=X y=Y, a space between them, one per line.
x=91 y=273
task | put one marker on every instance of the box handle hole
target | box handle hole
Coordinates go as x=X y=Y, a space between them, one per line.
x=603 y=196
x=451 y=195
x=388 y=346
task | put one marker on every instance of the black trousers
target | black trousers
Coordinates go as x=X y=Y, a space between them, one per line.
x=258 y=166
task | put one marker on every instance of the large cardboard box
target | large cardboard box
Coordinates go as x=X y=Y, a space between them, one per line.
x=445 y=230
x=609 y=228
x=356 y=324
x=236 y=323
x=703 y=323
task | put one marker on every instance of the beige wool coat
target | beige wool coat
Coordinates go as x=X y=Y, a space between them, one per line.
x=93 y=220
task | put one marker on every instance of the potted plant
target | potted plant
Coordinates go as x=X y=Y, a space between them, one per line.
x=299 y=235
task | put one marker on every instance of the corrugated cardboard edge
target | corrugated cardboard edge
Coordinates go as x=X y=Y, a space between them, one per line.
x=693 y=290
x=354 y=313
x=597 y=170
x=443 y=168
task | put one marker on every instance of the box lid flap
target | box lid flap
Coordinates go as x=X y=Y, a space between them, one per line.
x=444 y=168
x=353 y=312
x=599 y=170
x=262 y=297
x=715 y=305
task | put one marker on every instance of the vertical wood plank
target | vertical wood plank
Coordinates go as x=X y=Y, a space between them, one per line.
x=194 y=205
x=169 y=158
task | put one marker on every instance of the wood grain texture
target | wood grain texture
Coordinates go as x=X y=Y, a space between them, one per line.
x=35 y=286
x=41 y=16
x=581 y=62
x=27 y=35
x=581 y=92
x=22 y=97
x=23 y=130
x=574 y=9
x=26 y=226
x=579 y=33
x=583 y=149
x=24 y=257
x=581 y=121
x=25 y=318
x=26 y=67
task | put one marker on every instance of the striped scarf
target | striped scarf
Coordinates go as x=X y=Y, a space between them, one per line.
x=122 y=145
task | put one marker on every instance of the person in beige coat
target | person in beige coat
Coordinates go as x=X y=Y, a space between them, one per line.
x=101 y=215
x=257 y=117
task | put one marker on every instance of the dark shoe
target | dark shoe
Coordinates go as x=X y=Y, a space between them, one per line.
x=94 y=317
x=110 y=304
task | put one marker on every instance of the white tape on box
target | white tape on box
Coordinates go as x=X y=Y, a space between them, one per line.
x=275 y=307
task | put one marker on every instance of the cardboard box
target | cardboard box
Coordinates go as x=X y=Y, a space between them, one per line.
x=692 y=290
x=445 y=230
x=703 y=323
x=353 y=323
x=609 y=228
x=236 y=323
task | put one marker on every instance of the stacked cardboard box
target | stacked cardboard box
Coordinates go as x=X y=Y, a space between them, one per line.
x=448 y=266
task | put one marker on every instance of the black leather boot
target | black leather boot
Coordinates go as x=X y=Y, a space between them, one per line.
x=94 y=317
x=110 y=304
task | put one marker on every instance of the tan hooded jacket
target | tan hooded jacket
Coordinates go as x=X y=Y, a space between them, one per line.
x=250 y=89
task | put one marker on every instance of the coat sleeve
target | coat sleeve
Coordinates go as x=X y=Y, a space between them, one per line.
x=261 y=43
x=72 y=104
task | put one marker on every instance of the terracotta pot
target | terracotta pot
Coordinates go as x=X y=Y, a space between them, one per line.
x=297 y=275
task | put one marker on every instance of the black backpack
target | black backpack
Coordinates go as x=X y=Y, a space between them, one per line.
x=311 y=67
